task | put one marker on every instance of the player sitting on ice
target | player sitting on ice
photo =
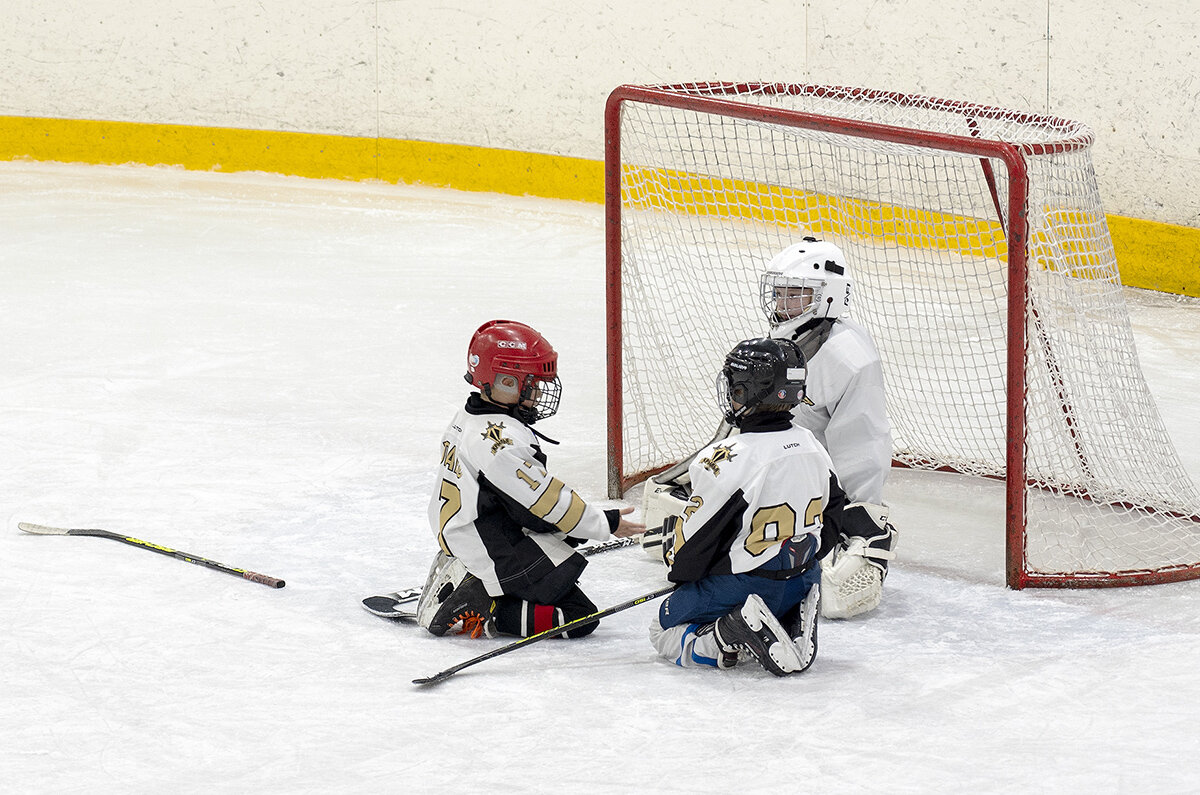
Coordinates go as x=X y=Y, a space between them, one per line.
x=764 y=506
x=505 y=524
x=805 y=295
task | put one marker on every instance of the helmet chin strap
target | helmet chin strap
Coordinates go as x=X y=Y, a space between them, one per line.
x=735 y=416
x=486 y=391
x=527 y=415
x=811 y=336
x=542 y=436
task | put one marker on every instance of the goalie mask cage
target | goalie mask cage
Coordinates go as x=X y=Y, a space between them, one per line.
x=981 y=264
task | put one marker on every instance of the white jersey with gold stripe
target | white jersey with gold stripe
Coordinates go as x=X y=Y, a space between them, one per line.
x=752 y=493
x=498 y=508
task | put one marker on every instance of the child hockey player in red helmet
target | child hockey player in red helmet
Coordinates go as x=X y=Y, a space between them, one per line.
x=506 y=526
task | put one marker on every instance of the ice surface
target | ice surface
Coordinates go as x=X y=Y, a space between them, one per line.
x=257 y=369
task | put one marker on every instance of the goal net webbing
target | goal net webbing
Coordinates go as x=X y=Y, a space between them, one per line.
x=707 y=182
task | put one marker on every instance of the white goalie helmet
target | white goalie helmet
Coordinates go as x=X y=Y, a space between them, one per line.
x=806 y=280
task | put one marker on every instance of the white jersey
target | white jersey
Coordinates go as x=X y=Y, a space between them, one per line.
x=751 y=493
x=845 y=408
x=496 y=506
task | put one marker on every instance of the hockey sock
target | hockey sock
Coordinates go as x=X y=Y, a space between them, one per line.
x=522 y=618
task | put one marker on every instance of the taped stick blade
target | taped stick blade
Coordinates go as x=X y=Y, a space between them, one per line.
x=41 y=529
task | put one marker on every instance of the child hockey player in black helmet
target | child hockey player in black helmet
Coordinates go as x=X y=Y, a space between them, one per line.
x=764 y=507
x=805 y=295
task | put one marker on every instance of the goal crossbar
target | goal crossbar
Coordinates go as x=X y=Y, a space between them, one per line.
x=709 y=149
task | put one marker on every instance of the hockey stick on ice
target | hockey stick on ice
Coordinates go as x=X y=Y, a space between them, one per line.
x=588 y=619
x=388 y=605
x=604 y=546
x=252 y=576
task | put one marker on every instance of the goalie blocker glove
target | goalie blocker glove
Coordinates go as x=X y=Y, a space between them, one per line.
x=659 y=542
x=660 y=502
x=852 y=575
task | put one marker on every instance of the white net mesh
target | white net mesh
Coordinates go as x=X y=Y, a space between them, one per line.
x=708 y=198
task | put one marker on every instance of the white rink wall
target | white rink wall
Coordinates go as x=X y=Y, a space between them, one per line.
x=533 y=75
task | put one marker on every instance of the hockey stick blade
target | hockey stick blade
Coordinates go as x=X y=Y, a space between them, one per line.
x=252 y=576
x=389 y=605
x=43 y=530
x=442 y=676
x=376 y=603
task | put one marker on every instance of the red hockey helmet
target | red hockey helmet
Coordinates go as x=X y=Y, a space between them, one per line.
x=502 y=348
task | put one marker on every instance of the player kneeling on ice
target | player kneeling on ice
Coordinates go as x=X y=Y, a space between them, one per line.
x=506 y=526
x=805 y=295
x=764 y=507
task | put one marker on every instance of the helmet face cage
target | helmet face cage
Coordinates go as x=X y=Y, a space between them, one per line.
x=507 y=348
x=786 y=299
x=734 y=388
x=539 y=399
x=806 y=280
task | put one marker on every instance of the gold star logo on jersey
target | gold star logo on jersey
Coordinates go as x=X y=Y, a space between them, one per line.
x=719 y=456
x=807 y=401
x=495 y=435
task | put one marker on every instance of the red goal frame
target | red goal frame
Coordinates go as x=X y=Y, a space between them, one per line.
x=713 y=98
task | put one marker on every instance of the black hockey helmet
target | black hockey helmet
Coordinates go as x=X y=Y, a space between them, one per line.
x=761 y=372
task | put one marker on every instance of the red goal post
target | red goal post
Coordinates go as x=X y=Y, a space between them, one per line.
x=982 y=266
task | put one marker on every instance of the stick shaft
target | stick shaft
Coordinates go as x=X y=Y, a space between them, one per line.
x=588 y=619
x=252 y=576
x=605 y=546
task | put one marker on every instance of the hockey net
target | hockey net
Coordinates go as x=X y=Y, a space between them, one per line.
x=982 y=266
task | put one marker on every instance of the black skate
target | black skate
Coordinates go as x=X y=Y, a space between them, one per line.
x=801 y=625
x=469 y=605
x=754 y=628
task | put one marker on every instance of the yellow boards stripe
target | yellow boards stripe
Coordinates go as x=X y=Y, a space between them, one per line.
x=1151 y=254
x=548 y=500
x=574 y=513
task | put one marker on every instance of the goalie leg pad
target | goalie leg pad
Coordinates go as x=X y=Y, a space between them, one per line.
x=665 y=538
x=852 y=575
x=870 y=523
x=851 y=583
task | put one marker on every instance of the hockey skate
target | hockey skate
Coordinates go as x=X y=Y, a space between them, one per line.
x=445 y=573
x=470 y=605
x=726 y=658
x=755 y=629
x=801 y=625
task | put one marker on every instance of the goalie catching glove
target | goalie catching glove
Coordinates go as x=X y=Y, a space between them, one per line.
x=852 y=575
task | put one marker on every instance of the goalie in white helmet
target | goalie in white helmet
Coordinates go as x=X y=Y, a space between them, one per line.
x=805 y=294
